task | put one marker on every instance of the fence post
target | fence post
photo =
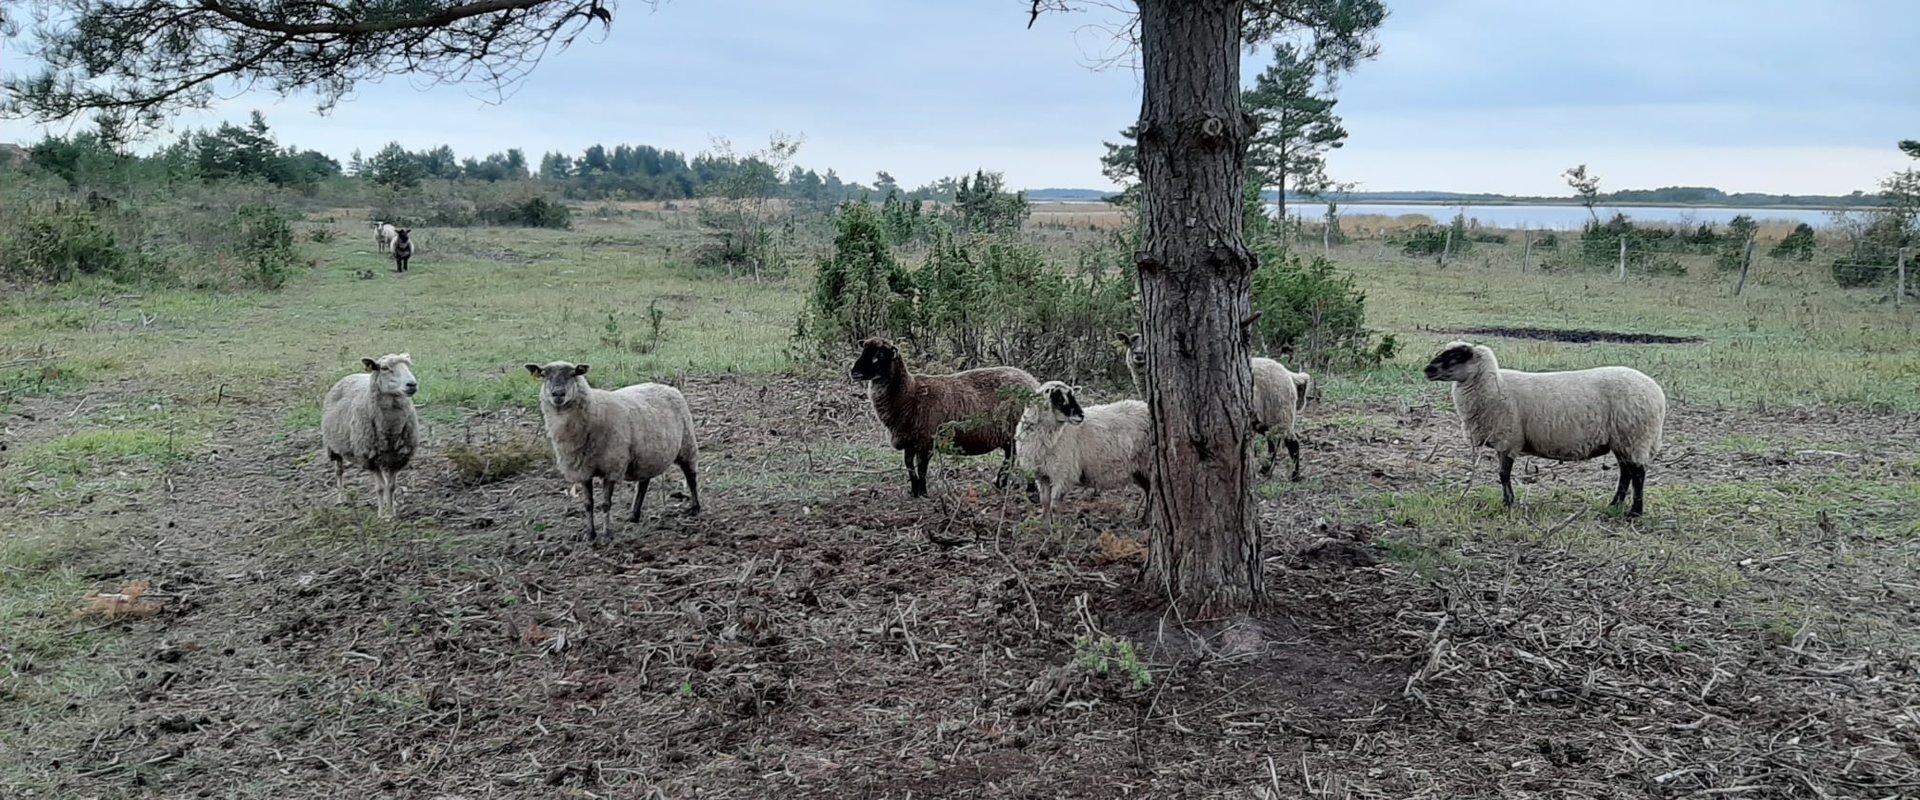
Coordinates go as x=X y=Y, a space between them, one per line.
x=1622 y=276
x=1526 y=255
x=1447 y=250
x=1900 y=285
x=1326 y=236
x=1746 y=262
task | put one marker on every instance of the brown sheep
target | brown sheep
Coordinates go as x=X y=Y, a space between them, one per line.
x=979 y=409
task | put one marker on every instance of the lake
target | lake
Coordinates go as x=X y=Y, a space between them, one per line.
x=1563 y=217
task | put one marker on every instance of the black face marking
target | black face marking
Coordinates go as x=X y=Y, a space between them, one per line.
x=875 y=362
x=1454 y=356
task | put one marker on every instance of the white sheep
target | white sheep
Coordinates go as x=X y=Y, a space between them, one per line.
x=1099 y=447
x=367 y=419
x=384 y=234
x=1279 y=394
x=634 y=433
x=1564 y=416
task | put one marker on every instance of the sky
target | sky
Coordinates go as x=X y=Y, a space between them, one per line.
x=1466 y=95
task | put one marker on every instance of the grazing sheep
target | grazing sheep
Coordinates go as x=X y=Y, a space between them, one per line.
x=383 y=235
x=367 y=419
x=1279 y=394
x=978 y=408
x=1099 y=447
x=402 y=249
x=634 y=433
x=1564 y=416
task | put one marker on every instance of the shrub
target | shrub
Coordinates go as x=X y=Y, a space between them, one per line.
x=531 y=212
x=1798 y=245
x=265 y=246
x=58 y=244
x=1733 y=246
x=1312 y=309
x=859 y=291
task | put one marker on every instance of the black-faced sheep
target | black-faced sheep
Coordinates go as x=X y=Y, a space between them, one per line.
x=1279 y=395
x=383 y=235
x=633 y=433
x=367 y=420
x=1098 y=447
x=1564 y=416
x=402 y=249
x=979 y=409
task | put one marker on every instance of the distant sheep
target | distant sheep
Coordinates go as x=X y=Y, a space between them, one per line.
x=634 y=433
x=1099 y=447
x=402 y=249
x=367 y=420
x=1279 y=395
x=383 y=235
x=1564 y=416
x=979 y=408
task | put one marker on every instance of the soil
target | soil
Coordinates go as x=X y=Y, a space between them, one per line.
x=1578 y=336
x=818 y=633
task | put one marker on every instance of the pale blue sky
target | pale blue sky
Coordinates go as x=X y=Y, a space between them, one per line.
x=1467 y=95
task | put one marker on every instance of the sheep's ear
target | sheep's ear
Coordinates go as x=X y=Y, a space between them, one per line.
x=1123 y=338
x=579 y=369
x=370 y=364
x=534 y=370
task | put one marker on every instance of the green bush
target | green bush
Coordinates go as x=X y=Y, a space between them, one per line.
x=1733 y=246
x=58 y=244
x=532 y=212
x=1797 y=245
x=859 y=291
x=265 y=246
x=1311 y=309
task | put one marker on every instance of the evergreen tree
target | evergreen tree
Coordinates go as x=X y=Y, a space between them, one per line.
x=1293 y=101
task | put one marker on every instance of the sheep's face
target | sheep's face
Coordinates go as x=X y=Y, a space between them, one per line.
x=876 y=361
x=1136 y=350
x=1454 y=363
x=561 y=383
x=400 y=234
x=1062 y=403
x=392 y=374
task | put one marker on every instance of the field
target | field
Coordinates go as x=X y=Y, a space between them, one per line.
x=186 y=611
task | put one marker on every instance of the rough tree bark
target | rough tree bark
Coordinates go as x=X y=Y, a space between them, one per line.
x=1204 y=548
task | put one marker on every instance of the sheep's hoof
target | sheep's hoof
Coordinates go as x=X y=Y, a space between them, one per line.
x=693 y=510
x=1295 y=477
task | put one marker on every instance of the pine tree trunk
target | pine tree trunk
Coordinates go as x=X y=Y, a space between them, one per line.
x=1204 y=548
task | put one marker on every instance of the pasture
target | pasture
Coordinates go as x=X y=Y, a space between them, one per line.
x=184 y=607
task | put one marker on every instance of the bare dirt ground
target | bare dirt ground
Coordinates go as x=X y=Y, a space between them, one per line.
x=817 y=633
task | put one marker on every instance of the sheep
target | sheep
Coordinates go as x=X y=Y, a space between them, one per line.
x=402 y=248
x=1099 y=447
x=1279 y=395
x=367 y=419
x=383 y=233
x=633 y=433
x=1564 y=416
x=979 y=408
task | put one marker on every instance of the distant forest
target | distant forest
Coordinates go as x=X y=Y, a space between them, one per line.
x=1666 y=195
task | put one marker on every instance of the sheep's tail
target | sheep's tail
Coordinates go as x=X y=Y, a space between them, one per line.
x=1301 y=383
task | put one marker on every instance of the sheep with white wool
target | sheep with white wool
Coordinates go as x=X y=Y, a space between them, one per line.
x=1564 y=416
x=383 y=235
x=634 y=433
x=367 y=419
x=1099 y=447
x=1279 y=395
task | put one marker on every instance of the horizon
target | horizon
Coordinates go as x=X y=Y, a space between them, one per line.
x=1449 y=102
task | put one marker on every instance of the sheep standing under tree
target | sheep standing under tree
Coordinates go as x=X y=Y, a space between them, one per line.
x=367 y=420
x=1098 y=447
x=634 y=433
x=979 y=408
x=1279 y=395
x=1564 y=416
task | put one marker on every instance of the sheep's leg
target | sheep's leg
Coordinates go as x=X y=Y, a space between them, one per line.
x=913 y=481
x=639 y=496
x=917 y=472
x=1626 y=482
x=586 y=490
x=1506 y=479
x=1293 y=452
x=1046 y=498
x=1639 y=490
x=339 y=478
x=692 y=475
x=1266 y=468
x=392 y=481
x=1141 y=480
x=1006 y=468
